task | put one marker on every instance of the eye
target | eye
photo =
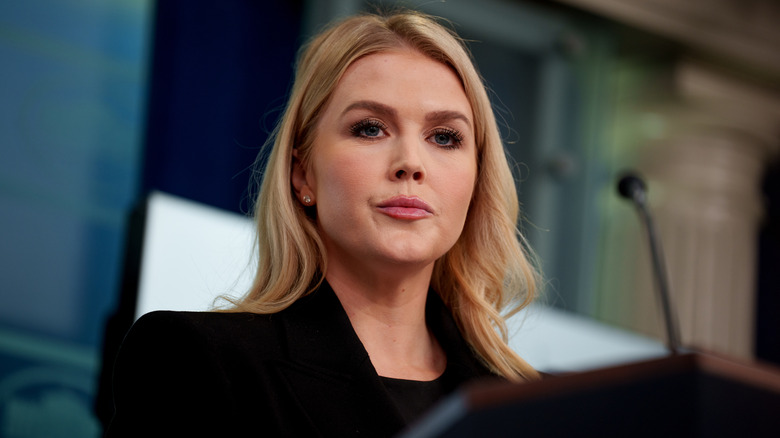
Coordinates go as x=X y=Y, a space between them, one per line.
x=446 y=138
x=368 y=128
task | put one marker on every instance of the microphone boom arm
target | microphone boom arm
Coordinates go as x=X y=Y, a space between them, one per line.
x=633 y=188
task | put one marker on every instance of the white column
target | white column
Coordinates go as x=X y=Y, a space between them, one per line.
x=705 y=176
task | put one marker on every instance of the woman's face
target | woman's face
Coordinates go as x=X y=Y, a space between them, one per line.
x=393 y=163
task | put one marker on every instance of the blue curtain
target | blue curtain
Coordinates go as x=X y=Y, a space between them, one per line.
x=220 y=74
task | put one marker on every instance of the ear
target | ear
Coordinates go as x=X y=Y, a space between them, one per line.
x=299 y=178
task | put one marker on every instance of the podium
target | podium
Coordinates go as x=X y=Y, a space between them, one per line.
x=687 y=395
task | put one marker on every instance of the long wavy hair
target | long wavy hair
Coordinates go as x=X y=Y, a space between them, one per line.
x=484 y=278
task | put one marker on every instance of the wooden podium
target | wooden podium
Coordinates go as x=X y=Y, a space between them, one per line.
x=688 y=395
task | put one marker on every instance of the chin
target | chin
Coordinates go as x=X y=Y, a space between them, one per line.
x=412 y=258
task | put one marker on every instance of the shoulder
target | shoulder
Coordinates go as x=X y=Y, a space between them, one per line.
x=174 y=367
x=199 y=331
x=165 y=352
x=203 y=322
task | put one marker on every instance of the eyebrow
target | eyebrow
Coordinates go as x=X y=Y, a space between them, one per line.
x=380 y=108
x=370 y=105
x=442 y=116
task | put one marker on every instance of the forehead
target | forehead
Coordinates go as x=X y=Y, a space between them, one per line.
x=396 y=76
x=409 y=57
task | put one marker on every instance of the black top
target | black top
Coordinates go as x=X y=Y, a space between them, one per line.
x=300 y=372
x=413 y=397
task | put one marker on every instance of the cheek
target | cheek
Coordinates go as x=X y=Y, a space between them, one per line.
x=459 y=192
x=465 y=192
x=340 y=179
x=466 y=179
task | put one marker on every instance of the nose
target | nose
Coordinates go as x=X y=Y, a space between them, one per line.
x=407 y=161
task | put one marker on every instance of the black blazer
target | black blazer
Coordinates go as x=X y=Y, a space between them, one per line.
x=299 y=372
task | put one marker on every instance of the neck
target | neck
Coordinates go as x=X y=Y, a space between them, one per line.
x=388 y=315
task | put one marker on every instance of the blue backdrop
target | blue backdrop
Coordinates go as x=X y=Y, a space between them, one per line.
x=91 y=118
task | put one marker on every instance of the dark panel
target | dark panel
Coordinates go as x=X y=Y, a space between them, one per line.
x=768 y=302
x=220 y=72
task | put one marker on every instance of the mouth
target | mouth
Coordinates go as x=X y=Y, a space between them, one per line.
x=405 y=207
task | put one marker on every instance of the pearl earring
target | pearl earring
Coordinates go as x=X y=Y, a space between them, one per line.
x=306 y=199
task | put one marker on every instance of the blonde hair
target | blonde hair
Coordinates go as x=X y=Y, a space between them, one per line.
x=488 y=268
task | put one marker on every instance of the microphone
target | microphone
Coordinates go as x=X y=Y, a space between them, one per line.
x=632 y=187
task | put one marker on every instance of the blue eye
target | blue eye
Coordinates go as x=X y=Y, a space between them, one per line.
x=442 y=139
x=371 y=131
x=447 y=138
x=368 y=128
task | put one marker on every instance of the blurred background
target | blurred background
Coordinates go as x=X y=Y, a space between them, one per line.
x=103 y=102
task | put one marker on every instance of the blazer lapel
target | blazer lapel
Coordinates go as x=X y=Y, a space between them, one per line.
x=330 y=373
x=462 y=363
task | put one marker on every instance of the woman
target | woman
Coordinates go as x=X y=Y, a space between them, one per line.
x=387 y=252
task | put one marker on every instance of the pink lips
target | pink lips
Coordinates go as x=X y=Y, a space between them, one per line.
x=406 y=207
